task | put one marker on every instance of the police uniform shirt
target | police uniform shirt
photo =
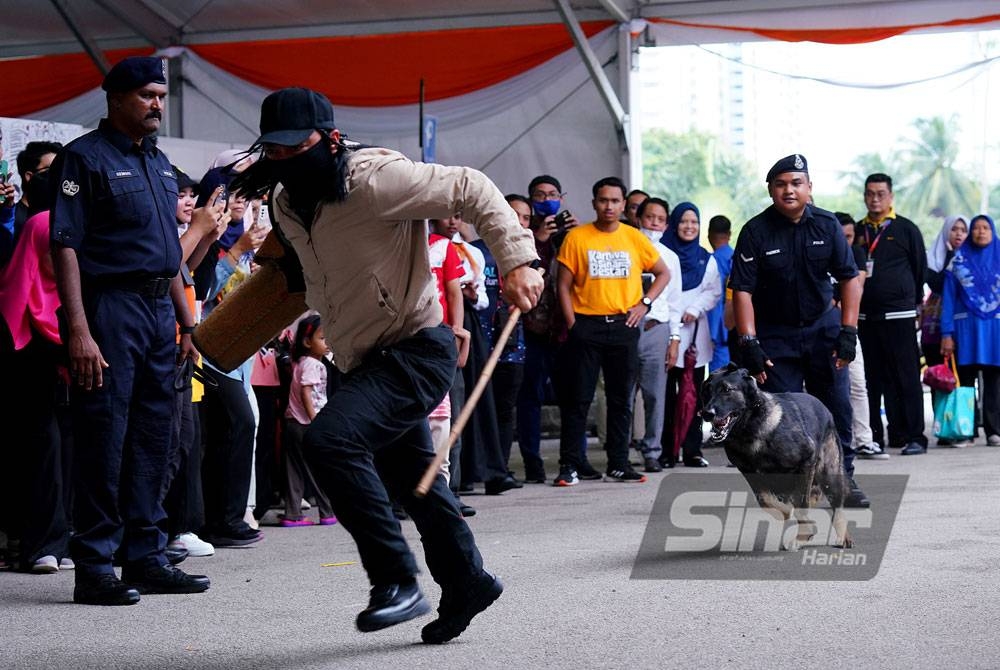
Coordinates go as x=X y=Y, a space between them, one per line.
x=115 y=204
x=787 y=266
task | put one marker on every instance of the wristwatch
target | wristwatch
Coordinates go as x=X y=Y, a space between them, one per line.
x=647 y=302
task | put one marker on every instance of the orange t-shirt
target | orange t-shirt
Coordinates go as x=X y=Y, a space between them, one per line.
x=607 y=267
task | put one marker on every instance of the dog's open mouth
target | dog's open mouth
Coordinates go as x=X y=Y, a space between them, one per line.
x=721 y=425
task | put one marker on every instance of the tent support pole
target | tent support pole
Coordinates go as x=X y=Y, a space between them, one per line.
x=604 y=86
x=89 y=45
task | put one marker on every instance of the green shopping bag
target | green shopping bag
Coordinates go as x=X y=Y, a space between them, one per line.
x=955 y=412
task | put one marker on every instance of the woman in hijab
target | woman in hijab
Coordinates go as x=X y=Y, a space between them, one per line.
x=953 y=233
x=970 y=317
x=700 y=292
x=36 y=457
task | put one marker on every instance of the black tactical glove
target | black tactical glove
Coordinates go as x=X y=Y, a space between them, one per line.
x=847 y=343
x=751 y=355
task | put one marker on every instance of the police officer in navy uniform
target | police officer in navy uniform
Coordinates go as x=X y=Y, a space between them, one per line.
x=114 y=242
x=790 y=332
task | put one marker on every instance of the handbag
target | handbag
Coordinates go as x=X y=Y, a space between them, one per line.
x=942 y=377
x=955 y=412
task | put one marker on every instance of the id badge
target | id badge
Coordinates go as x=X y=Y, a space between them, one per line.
x=870 y=267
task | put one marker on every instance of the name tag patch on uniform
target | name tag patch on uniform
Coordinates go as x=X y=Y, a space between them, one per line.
x=70 y=188
x=609 y=264
x=818 y=243
x=772 y=252
x=169 y=173
x=124 y=173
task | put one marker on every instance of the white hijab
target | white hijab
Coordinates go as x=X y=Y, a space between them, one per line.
x=937 y=255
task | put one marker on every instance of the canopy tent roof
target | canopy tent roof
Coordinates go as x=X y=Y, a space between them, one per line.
x=498 y=73
x=37 y=28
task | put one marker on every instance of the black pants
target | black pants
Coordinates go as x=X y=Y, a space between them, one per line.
x=228 y=427
x=38 y=463
x=481 y=455
x=266 y=463
x=691 y=444
x=892 y=370
x=595 y=345
x=989 y=394
x=183 y=500
x=372 y=440
x=506 y=387
x=122 y=433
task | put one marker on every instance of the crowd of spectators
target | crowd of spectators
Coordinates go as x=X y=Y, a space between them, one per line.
x=236 y=450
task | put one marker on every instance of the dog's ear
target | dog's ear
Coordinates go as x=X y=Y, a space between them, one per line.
x=732 y=366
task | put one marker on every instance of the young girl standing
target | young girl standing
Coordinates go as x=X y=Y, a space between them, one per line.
x=306 y=398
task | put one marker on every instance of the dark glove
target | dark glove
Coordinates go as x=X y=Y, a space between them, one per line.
x=752 y=356
x=847 y=343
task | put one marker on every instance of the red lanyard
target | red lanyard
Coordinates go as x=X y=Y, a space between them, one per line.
x=871 y=247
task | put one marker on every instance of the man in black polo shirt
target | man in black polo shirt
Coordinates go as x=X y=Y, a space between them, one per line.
x=790 y=333
x=115 y=248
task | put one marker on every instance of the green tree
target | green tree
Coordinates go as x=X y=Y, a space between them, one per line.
x=695 y=166
x=931 y=186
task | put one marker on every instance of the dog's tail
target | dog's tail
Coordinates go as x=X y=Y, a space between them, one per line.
x=830 y=470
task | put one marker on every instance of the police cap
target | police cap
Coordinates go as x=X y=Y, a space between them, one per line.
x=793 y=163
x=135 y=72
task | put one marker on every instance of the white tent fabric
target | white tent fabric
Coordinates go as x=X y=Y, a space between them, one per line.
x=527 y=125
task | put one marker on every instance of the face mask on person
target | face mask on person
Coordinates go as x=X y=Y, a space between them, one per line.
x=311 y=175
x=653 y=235
x=546 y=207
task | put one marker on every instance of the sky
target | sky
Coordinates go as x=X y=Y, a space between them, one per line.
x=831 y=125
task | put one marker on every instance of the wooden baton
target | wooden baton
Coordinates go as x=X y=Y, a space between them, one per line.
x=470 y=405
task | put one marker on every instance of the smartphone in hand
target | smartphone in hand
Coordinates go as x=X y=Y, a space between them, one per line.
x=3 y=177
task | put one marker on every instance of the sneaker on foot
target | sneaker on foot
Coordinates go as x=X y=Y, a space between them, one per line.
x=961 y=444
x=195 y=545
x=567 y=477
x=328 y=521
x=67 y=563
x=993 y=441
x=295 y=523
x=872 y=452
x=652 y=465
x=46 y=565
x=587 y=471
x=626 y=476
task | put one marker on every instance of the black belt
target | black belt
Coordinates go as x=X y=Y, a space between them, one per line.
x=609 y=318
x=149 y=287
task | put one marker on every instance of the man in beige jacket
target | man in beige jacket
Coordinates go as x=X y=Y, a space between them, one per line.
x=354 y=217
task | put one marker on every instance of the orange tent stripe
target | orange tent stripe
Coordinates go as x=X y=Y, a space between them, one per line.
x=385 y=70
x=835 y=35
x=35 y=83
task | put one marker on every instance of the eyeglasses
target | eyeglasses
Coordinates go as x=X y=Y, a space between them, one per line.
x=546 y=195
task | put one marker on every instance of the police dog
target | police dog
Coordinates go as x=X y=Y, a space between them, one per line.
x=786 y=446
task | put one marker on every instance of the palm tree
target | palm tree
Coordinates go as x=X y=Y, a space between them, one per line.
x=933 y=187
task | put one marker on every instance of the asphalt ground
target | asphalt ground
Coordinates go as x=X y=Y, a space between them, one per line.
x=566 y=556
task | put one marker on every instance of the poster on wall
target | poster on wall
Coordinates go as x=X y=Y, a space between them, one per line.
x=18 y=132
